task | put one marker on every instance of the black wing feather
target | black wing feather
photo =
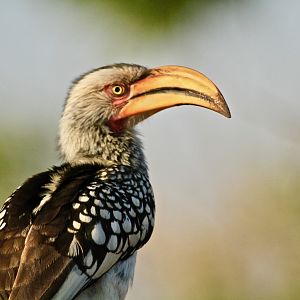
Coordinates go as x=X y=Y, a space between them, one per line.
x=17 y=216
x=45 y=263
x=92 y=218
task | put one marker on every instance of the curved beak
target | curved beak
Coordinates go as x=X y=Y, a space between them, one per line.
x=169 y=86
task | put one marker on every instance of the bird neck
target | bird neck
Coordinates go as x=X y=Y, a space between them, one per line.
x=99 y=145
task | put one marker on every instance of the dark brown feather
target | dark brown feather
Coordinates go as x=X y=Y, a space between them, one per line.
x=44 y=263
x=17 y=218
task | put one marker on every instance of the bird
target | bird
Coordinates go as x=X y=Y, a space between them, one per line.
x=73 y=231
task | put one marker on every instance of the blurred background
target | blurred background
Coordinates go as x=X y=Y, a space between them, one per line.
x=227 y=191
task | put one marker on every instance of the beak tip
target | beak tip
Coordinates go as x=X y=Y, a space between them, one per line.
x=227 y=113
x=223 y=108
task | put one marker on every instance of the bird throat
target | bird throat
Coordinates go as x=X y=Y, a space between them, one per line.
x=107 y=147
x=117 y=125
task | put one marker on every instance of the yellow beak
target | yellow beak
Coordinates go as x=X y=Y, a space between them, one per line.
x=170 y=86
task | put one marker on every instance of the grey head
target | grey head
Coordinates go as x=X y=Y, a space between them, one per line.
x=104 y=105
x=85 y=130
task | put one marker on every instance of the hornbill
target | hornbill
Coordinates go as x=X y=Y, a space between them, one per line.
x=72 y=232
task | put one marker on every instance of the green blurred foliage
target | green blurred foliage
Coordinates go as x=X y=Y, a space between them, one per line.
x=152 y=16
x=250 y=250
x=21 y=154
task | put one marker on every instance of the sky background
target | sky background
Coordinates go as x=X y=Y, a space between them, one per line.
x=227 y=191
